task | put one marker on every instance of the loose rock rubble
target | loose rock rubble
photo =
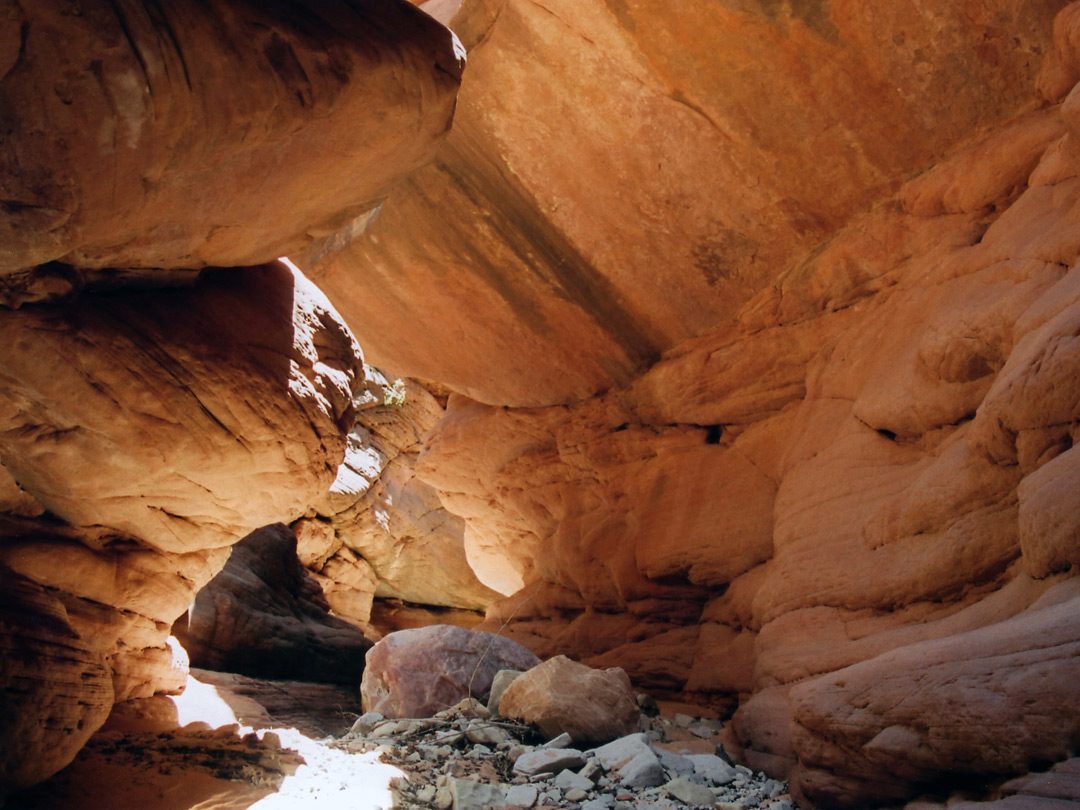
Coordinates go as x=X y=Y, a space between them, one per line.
x=466 y=759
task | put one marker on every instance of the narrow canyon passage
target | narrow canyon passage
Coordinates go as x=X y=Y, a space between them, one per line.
x=733 y=347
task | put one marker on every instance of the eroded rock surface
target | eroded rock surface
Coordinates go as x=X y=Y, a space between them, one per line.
x=131 y=127
x=864 y=457
x=416 y=673
x=264 y=615
x=618 y=181
x=143 y=433
x=381 y=532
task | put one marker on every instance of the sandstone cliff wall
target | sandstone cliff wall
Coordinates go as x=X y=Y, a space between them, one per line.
x=151 y=414
x=762 y=323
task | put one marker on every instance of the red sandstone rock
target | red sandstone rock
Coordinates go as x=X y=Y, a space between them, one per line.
x=561 y=696
x=985 y=702
x=263 y=615
x=416 y=673
x=588 y=235
x=157 y=427
x=187 y=135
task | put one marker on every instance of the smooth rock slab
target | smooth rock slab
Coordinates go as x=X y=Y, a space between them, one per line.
x=690 y=793
x=470 y=795
x=548 y=760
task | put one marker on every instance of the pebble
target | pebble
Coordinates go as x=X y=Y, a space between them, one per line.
x=625 y=774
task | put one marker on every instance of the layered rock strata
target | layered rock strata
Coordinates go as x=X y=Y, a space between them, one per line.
x=756 y=439
x=174 y=387
x=263 y=615
x=381 y=532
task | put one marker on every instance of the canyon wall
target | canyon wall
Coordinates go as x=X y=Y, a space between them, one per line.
x=166 y=385
x=761 y=322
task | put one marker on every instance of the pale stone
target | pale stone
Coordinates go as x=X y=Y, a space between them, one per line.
x=470 y=795
x=561 y=696
x=548 y=760
x=690 y=793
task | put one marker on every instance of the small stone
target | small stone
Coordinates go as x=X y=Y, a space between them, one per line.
x=450 y=738
x=677 y=763
x=702 y=731
x=444 y=798
x=690 y=793
x=782 y=804
x=469 y=707
x=479 y=750
x=647 y=704
x=522 y=796
x=270 y=739
x=366 y=722
x=480 y=732
x=683 y=720
x=712 y=769
x=599 y=803
x=503 y=678
x=592 y=771
x=562 y=741
x=548 y=760
x=774 y=789
x=575 y=795
x=426 y=794
x=635 y=761
x=568 y=780
x=470 y=795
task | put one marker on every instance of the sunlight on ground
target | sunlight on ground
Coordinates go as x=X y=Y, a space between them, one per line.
x=330 y=779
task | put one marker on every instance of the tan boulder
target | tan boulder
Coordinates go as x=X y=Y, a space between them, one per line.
x=192 y=135
x=561 y=696
x=418 y=672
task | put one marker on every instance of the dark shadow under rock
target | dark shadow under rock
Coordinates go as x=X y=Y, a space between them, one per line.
x=265 y=616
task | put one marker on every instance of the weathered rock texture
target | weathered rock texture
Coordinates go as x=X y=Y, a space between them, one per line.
x=264 y=615
x=381 y=532
x=621 y=178
x=131 y=126
x=144 y=430
x=416 y=673
x=783 y=299
x=147 y=432
x=561 y=696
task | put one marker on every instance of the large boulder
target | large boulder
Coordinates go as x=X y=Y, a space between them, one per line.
x=264 y=615
x=418 y=672
x=561 y=696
